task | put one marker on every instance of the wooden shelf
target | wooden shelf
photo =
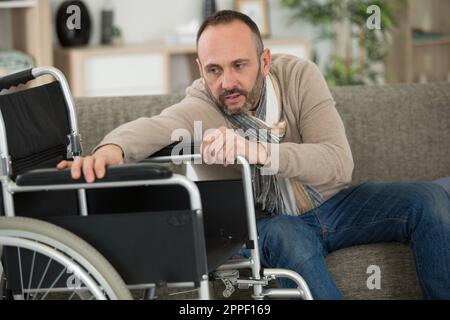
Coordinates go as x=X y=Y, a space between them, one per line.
x=431 y=42
x=17 y=4
x=172 y=49
x=31 y=29
x=420 y=59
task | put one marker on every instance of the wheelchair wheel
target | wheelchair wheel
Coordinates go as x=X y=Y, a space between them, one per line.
x=43 y=261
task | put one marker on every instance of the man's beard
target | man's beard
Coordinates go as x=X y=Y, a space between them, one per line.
x=251 y=98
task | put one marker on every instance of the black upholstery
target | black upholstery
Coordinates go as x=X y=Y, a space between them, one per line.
x=139 y=171
x=37 y=126
x=144 y=247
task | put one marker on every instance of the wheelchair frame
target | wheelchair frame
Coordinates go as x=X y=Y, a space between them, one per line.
x=260 y=276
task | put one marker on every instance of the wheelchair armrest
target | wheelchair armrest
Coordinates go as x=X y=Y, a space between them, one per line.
x=125 y=172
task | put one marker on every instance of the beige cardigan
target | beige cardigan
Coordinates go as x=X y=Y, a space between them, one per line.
x=314 y=149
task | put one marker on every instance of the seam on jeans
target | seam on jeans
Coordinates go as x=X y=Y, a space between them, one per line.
x=425 y=293
x=333 y=230
x=326 y=230
x=323 y=228
x=302 y=263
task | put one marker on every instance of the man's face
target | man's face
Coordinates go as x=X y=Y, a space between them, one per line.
x=230 y=65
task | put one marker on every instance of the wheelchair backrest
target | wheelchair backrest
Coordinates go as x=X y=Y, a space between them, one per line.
x=37 y=126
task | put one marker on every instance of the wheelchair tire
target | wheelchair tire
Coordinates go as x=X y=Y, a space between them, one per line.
x=74 y=254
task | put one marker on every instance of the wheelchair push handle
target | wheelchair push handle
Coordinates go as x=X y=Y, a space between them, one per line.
x=17 y=78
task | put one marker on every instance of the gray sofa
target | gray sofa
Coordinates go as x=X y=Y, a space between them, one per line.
x=396 y=132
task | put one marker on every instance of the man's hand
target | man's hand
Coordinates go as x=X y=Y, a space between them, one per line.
x=94 y=166
x=223 y=146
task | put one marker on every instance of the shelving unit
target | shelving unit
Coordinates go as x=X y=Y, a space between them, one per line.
x=152 y=68
x=424 y=58
x=17 y=4
x=31 y=28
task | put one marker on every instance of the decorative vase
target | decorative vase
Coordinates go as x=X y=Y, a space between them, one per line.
x=209 y=8
x=107 y=18
x=73 y=24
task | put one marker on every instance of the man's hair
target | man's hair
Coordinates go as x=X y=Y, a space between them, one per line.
x=228 y=16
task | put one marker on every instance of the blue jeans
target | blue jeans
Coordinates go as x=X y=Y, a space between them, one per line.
x=414 y=213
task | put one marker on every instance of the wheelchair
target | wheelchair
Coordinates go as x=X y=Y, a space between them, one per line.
x=140 y=228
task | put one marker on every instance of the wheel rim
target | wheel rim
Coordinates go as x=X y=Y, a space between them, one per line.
x=78 y=259
x=80 y=276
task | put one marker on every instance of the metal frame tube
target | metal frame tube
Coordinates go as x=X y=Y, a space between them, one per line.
x=203 y=291
x=283 y=293
x=294 y=276
x=59 y=76
x=253 y=232
x=255 y=263
x=176 y=179
x=4 y=153
x=82 y=202
x=237 y=264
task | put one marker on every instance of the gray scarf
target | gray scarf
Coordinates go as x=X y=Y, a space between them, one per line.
x=272 y=193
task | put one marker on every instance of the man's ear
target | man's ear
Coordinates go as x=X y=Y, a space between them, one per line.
x=200 y=69
x=266 y=60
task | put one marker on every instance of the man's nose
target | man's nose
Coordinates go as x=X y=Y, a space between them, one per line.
x=229 y=81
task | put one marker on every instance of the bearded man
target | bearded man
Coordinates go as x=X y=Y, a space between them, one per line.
x=307 y=206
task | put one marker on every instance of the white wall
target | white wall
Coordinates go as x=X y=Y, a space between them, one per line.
x=144 y=20
x=150 y=20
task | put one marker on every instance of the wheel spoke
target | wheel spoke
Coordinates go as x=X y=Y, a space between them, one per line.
x=54 y=282
x=45 y=252
x=43 y=277
x=31 y=274
x=20 y=272
x=72 y=295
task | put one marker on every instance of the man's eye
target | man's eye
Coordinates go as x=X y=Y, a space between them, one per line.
x=214 y=71
x=240 y=66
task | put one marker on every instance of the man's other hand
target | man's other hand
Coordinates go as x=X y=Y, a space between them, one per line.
x=94 y=166
x=223 y=146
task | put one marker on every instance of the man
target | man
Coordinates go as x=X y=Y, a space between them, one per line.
x=308 y=208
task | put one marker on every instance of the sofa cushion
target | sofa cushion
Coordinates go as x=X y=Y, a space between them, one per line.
x=97 y=116
x=397 y=132
x=351 y=269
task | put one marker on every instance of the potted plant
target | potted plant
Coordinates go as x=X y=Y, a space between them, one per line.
x=357 y=51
